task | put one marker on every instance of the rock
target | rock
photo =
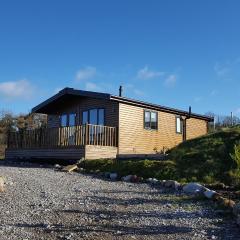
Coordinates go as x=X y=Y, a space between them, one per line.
x=193 y=188
x=113 y=176
x=172 y=184
x=152 y=180
x=70 y=168
x=135 y=178
x=2 y=183
x=127 y=178
x=209 y=193
x=57 y=166
x=225 y=203
x=107 y=174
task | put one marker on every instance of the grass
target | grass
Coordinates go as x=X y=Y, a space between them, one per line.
x=206 y=159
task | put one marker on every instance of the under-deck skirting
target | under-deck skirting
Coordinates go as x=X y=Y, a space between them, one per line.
x=75 y=153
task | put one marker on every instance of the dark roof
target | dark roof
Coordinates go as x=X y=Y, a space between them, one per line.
x=70 y=92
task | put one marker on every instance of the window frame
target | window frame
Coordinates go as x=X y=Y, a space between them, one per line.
x=144 y=122
x=181 y=124
x=88 y=115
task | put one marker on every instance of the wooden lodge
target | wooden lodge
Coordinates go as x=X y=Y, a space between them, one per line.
x=91 y=125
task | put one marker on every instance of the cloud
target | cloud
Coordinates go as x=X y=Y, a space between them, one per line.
x=145 y=73
x=21 y=89
x=90 y=86
x=197 y=99
x=221 y=69
x=86 y=73
x=171 y=80
x=214 y=92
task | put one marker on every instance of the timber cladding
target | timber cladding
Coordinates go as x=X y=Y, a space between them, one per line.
x=134 y=139
x=85 y=103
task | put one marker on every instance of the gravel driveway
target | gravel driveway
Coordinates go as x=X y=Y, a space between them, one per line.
x=40 y=203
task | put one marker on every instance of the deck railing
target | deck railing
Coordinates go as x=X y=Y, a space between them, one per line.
x=80 y=135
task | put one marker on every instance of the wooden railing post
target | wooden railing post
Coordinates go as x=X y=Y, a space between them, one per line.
x=86 y=137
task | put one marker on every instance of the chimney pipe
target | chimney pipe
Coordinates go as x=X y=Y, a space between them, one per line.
x=120 y=91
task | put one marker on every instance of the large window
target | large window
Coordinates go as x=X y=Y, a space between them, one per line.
x=72 y=119
x=63 y=119
x=178 y=124
x=150 y=120
x=68 y=120
x=93 y=116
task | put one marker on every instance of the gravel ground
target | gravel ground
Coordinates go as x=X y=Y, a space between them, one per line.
x=41 y=203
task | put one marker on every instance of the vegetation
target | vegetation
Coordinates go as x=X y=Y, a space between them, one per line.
x=209 y=159
x=143 y=168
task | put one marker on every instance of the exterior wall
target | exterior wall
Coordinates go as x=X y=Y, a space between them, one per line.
x=100 y=152
x=196 y=128
x=53 y=121
x=81 y=104
x=60 y=153
x=134 y=139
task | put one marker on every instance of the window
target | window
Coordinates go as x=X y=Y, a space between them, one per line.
x=63 y=119
x=94 y=116
x=85 y=117
x=150 y=120
x=72 y=119
x=178 y=124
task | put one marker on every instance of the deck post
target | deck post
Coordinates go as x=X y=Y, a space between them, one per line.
x=86 y=135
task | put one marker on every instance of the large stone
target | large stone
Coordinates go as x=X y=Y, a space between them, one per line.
x=113 y=176
x=193 y=188
x=172 y=184
x=127 y=178
x=209 y=193
x=2 y=183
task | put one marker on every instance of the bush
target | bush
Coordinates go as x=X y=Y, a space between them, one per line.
x=142 y=168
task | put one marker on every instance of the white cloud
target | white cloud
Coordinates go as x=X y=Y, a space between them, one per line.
x=86 y=73
x=146 y=73
x=90 y=86
x=171 y=80
x=197 y=99
x=221 y=69
x=21 y=89
x=214 y=92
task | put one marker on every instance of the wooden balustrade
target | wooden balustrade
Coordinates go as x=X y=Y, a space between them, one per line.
x=80 y=135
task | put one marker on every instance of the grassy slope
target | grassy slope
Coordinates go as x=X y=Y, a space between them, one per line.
x=207 y=158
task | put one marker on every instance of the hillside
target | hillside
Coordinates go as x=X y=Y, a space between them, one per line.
x=207 y=158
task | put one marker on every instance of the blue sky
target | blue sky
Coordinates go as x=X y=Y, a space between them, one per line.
x=174 y=53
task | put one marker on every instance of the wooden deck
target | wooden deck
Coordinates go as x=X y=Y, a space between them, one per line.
x=83 y=141
x=63 y=137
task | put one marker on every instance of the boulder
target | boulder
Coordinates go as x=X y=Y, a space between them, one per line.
x=135 y=178
x=225 y=203
x=193 y=188
x=172 y=184
x=113 y=176
x=57 y=167
x=2 y=183
x=152 y=180
x=127 y=178
x=209 y=193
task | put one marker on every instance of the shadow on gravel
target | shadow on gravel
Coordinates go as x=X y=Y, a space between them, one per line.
x=104 y=214
x=110 y=228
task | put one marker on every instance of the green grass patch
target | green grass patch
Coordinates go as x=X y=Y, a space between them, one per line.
x=143 y=168
x=213 y=158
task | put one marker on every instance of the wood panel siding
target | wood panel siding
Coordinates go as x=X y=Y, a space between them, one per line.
x=59 y=153
x=196 y=128
x=134 y=139
x=53 y=121
x=85 y=103
x=100 y=152
x=88 y=152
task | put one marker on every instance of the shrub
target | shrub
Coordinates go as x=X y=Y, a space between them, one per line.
x=236 y=156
